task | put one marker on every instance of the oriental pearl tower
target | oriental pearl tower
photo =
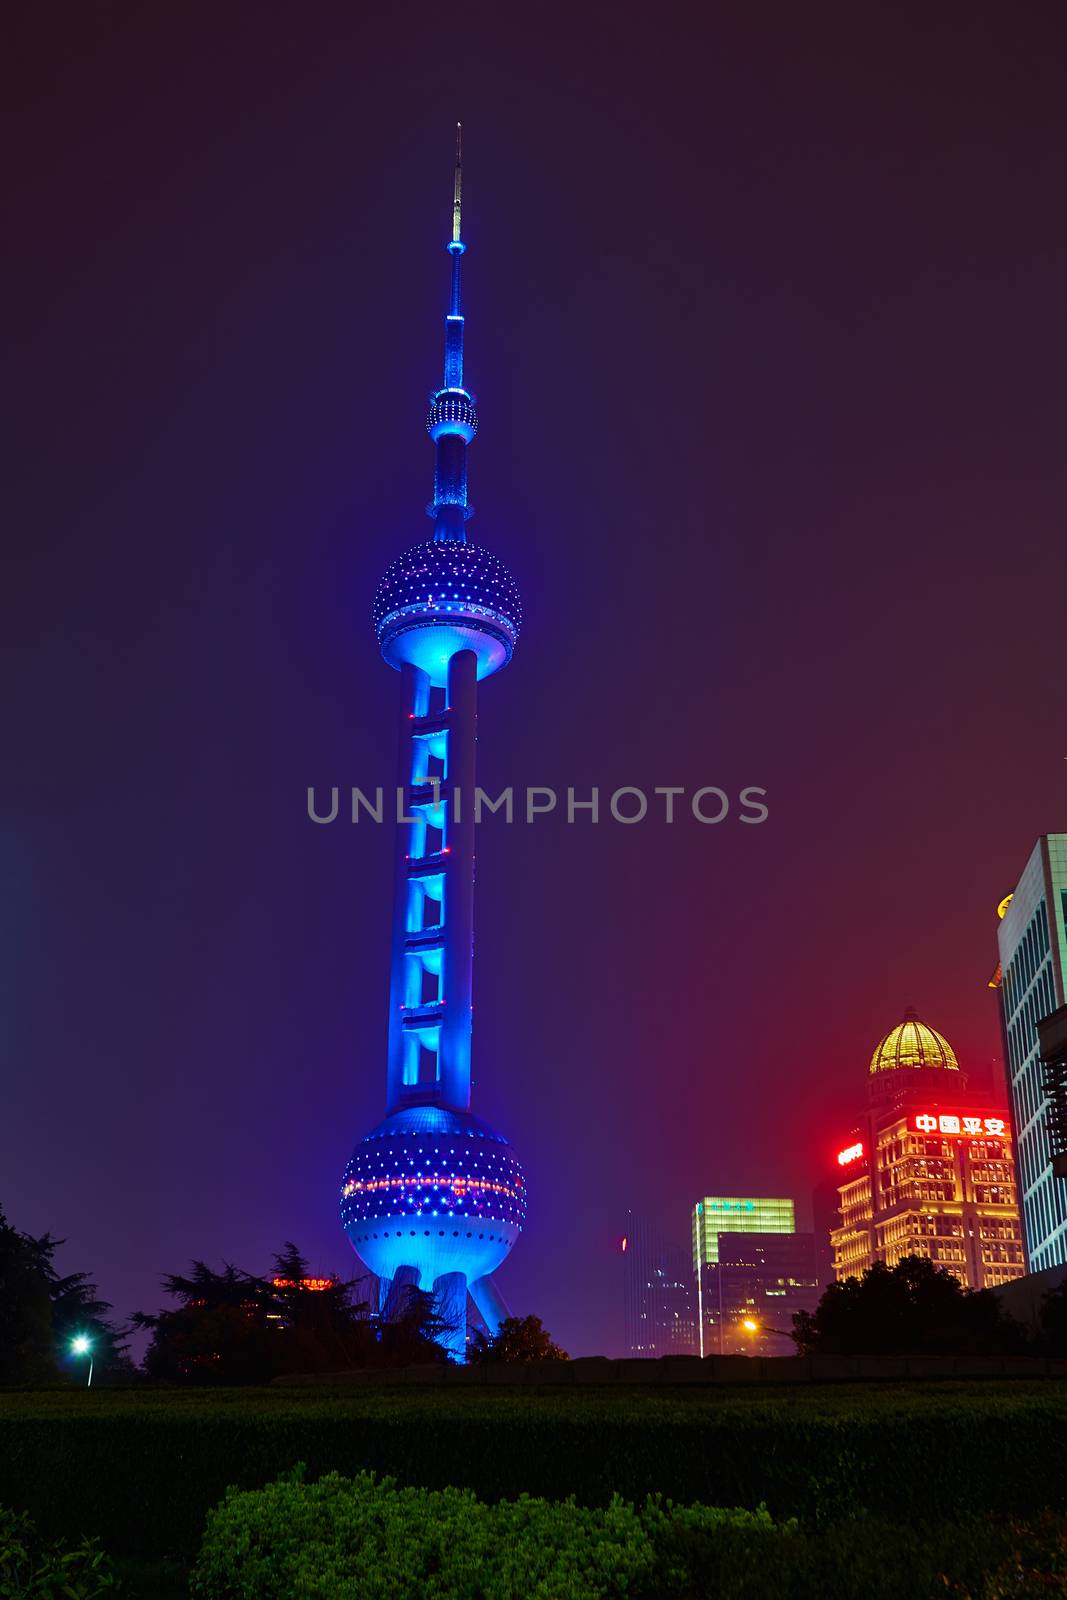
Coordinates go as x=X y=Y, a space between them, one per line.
x=433 y=1197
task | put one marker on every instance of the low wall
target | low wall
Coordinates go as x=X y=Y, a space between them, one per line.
x=692 y=1370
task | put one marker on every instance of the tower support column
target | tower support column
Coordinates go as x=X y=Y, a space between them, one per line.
x=414 y=702
x=457 y=977
x=395 y=1295
x=450 y=1294
x=490 y=1302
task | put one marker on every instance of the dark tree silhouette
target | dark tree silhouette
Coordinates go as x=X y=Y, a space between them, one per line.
x=321 y=1329
x=413 y=1336
x=42 y=1313
x=26 y=1343
x=913 y=1308
x=205 y=1287
x=78 y=1310
x=232 y=1327
x=518 y=1339
x=220 y=1332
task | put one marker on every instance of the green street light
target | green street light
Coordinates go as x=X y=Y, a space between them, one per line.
x=82 y=1346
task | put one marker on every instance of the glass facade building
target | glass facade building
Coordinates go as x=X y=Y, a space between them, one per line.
x=1053 y=1032
x=750 y=1293
x=719 y=1214
x=1032 y=941
x=659 y=1294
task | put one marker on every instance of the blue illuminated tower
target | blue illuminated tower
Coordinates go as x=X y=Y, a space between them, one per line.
x=432 y=1196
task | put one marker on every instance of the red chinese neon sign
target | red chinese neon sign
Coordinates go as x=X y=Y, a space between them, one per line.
x=854 y=1152
x=956 y=1125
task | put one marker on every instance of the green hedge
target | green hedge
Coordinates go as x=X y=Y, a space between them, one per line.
x=971 y=1558
x=141 y=1469
x=358 y=1539
x=33 y=1566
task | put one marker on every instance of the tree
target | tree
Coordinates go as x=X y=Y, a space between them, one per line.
x=78 y=1311
x=414 y=1336
x=912 y=1308
x=42 y=1313
x=232 y=1327
x=27 y=1349
x=519 y=1339
x=321 y=1326
x=218 y=1334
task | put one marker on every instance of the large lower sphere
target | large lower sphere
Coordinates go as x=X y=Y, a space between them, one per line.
x=433 y=1189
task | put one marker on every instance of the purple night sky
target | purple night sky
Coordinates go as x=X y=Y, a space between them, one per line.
x=766 y=322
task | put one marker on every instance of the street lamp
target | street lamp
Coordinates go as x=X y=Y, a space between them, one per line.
x=82 y=1346
x=750 y=1325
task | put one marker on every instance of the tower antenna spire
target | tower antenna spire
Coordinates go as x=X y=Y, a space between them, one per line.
x=453 y=421
x=457 y=188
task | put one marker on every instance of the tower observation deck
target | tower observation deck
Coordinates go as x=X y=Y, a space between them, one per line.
x=433 y=1197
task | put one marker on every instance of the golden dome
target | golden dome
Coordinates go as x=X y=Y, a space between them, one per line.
x=912 y=1044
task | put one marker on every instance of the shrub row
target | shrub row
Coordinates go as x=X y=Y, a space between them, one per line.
x=33 y=1566
x=142 y=1470
x=357 y=1539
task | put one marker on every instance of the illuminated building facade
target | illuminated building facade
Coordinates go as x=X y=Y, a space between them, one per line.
x=1031 y=978
x=750 y=1293
x=659 y=1294
x=714 y=1216
x=1052 y=1033
x=928 y=1170
x=433 y=1197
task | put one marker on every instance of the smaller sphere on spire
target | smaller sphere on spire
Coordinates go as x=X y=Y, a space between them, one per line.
x=452 y=411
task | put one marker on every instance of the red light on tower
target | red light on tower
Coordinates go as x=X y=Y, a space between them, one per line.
x=625 y=1242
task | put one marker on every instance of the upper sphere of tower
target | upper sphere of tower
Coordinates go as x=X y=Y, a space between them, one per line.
x=452 y=411
x=446 y=595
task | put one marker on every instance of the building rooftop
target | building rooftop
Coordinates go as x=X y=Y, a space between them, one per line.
x=913 y=1044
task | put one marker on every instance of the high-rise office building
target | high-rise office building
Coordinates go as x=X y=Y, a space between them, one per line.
x=659 y=1293
x=434 y=1198
x=1052 y=1033
x=718 y=1213
x=1032 y=941
x=751 y=1291
x=928 y=1169
x=714 y=1216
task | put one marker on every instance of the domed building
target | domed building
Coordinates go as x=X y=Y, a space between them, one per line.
x=911 y=1045
x=928 y=1169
